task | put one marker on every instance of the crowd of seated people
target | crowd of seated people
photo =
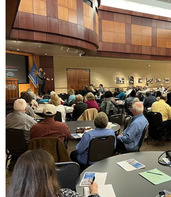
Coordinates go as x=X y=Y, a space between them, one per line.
x=78 y=103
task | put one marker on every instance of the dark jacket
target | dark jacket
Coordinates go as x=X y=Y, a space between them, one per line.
x=148 y=101
x=79 y=108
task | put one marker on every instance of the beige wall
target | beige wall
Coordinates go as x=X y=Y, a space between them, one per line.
x=105 y=71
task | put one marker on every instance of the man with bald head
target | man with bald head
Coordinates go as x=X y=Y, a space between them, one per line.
x=129 y=139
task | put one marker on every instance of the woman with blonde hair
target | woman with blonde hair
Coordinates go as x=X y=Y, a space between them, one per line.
x=35 y=175
x=71 y=97
x=55 y=100
x=90 y=101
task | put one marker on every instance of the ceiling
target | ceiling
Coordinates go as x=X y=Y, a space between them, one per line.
x=42 y=49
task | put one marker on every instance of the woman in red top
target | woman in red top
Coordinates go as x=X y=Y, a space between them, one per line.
x=90 y=100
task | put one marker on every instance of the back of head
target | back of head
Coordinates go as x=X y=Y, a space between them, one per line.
x=108 y=94
x=34 y=175
x=101 y=120
x=27 y=97
x=90 y=96
x=148 y=94
x=79 y=98
x=49 y=110
x=163 y=97
x=20 y=105
x=137 y=108
x=133 y=93
x=71 y=92
x=55 y=100
x=52 y=92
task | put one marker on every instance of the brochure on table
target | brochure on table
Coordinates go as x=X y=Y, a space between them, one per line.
x=131 y=164
x=100 y=178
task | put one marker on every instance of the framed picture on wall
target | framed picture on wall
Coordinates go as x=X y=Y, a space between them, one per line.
x=139 y=80
x=149 y=80
x=166 y=80
x=131 y=80
x=158 y=80
x=120 y=80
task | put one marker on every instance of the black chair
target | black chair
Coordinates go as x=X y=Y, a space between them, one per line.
x=127 y=121
x=15 y=143
x=117 y=118
x=58 y=116
x=156 y=129
x=145 y=131
x=100 y=148
x=68 y=174
x=63 y=96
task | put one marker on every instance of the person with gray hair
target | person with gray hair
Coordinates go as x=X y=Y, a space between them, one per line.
x=129 y=139
x=18 y=119
x=80 y=155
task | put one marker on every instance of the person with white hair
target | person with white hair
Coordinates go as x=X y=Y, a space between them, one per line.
x=18 y=119
x=129 y=139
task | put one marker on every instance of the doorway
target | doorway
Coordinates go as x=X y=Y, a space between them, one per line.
x=78 y=78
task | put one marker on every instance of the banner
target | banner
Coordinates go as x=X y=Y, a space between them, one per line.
x=33 y=75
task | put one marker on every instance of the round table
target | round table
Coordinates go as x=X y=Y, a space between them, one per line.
x=72 y=125
x=130 y=184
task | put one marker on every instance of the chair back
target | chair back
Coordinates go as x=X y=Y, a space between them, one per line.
x=52 y=145
x=100 y=148
x=127 y=121
x=143 y=136
x=68 y=174
x=156 y=130
x=117 y=118
x=15 y=141
x=58 y=116
x=63 y=96
x=155 y=119
x=88 y=114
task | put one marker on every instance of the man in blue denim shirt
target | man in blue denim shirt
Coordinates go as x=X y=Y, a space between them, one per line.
x=81 y=153
x=130 y=137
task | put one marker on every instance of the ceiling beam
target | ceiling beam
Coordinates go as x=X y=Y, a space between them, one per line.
x=11 y=11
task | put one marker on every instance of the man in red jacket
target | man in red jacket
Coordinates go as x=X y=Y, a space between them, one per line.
x=49 y=127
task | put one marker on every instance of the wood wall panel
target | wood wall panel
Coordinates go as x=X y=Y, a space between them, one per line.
x=39 y=7
x=26 y=6
x=60 y=20
x=146 y=36
x=40 y=23
x=25 y=21
x=52 y=25
x=80 y=13
x=52 y=10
